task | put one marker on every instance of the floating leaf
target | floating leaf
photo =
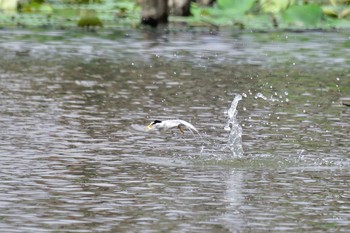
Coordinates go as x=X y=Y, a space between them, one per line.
x=8 y=5
x=344 y=13
x=333 y=2
x=275 y=6
x=66 y=12
x=198 y=11
x=45 y=8
x=89 y=19
x=236 y=6
x=303 y=15
x=339 y=11
x=330 y=11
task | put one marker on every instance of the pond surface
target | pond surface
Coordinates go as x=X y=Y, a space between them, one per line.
x=72 y=161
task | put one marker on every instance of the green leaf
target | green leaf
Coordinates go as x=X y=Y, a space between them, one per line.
x=258 y=21
x=275 y=6
x=66 y=12
x=344 y=13
x=331 y=11
x=336 y=23
x=8 y=5
x=89 y=21
x=303 y=15
x=89 y=18
x=236 y=6
x=46 y=9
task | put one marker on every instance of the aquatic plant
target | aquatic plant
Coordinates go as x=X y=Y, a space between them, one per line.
x=265 y=14
x=247 y=14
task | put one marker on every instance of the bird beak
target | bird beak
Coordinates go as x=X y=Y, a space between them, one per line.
x=149 y=126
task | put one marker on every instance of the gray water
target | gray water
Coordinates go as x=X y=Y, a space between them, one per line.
x=71 y=160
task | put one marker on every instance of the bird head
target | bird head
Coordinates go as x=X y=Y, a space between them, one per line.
x=153 y=123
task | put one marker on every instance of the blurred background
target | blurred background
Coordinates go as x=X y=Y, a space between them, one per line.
x=248 y=14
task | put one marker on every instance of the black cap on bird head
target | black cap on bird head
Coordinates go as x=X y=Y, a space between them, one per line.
x=156 y=121
x=153 y=123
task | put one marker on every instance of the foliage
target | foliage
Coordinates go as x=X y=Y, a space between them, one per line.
x=249 y=14
x=274 y=6
x=265 y=14
x=72 y=13
x=303 y=15
x=8 y=5
x=235 y=6
x=89 y=19
x=337 y=10
x=81 y=1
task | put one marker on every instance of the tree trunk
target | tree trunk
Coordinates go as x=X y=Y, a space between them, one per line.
x=154 y=12
x=179 y=7
x=205 y=2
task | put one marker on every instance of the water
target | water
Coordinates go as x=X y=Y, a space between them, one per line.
x=72 y=162
x=235 y=136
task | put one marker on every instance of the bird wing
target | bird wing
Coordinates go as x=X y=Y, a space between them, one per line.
x=188 y=125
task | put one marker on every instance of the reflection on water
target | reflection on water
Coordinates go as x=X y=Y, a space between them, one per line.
x=233 y=218
x=71 y=160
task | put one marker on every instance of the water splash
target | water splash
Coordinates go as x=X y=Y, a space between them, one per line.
x=260 y=95
x=235 y=137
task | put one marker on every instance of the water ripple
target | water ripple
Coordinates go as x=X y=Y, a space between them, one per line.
x=75 y=155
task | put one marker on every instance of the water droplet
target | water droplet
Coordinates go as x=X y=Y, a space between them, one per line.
x=259 y=95
x=285 y=93
x=244 y=109
x=338 y=78
x=244 y=95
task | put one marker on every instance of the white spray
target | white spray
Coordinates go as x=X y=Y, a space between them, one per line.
x=234 y=142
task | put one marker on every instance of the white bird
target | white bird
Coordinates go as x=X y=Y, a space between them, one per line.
x=170 y=124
